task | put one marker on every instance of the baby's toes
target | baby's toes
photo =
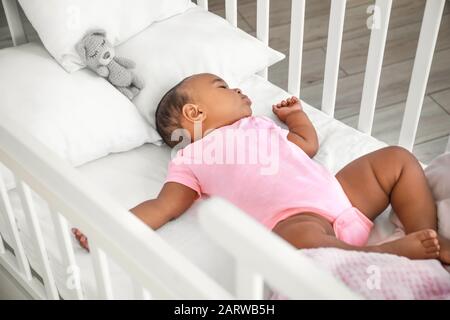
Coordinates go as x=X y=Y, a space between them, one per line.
x=431 y=245
x=428 y=234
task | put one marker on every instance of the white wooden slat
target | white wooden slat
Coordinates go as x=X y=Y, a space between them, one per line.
x=141 y=293
x=36 y=234
x=334 y=44
x=66 y=250
x=101 y=269
x=422 y=64
x=381 y=15
x=33 y=287
x=242 y=237
x=203 y=4
x=262 y=26
x=249 y=284
x=135 y=247
x=16 y=242
x=14 y=22
x=296 y=46
x=231 y=11
x=2 y=246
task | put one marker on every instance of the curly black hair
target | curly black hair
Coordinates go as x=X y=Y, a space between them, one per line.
x=169 y=111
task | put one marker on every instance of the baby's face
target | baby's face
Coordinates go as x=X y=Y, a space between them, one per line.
x=220 y=104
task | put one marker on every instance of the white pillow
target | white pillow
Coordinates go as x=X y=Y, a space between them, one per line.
x=194 y=42
x=80 y=116
x=60 y=24
x=438 y=176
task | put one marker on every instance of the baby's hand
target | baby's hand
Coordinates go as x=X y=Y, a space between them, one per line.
x=81 y=238
x=287 y=107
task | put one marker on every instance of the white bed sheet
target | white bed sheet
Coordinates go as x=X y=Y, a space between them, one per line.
x=137 y=175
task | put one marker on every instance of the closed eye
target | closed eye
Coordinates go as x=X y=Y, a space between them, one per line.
x=94 y=54
x=224 y=87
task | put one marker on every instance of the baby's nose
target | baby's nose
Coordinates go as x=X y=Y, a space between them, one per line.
x=238 y=90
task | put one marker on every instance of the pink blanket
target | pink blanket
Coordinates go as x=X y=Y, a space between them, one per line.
x=383 y=276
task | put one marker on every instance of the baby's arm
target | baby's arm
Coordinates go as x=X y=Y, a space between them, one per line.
x=173 y=200
x=301 y=130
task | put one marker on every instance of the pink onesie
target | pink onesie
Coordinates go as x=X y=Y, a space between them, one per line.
x=252 y=164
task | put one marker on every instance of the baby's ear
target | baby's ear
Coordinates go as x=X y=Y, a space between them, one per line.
x=192 y=113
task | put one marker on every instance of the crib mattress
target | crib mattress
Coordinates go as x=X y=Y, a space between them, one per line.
x=137 y=175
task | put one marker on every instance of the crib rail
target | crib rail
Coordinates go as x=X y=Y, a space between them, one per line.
x=380 y=11
x=335 y=33
x=15 y=24
x=421 y=71
x=381 y=14
x=13 y=233
x=262 y=26
x=112 y=231
x=242 y=237
x=296 y=46
x=380 y=23
x=37 y=239
x=157 y=270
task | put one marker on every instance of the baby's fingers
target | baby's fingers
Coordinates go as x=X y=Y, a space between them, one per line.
x=76 y=232
x=81 y=238
x=278 y=106
x=84 y=243
x=293 y=100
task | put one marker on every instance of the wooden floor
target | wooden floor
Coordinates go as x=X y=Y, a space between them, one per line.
x=434 y=128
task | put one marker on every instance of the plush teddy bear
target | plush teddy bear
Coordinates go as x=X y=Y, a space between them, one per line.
x=99 y=56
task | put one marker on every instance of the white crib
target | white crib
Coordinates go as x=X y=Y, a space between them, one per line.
x=157 y=270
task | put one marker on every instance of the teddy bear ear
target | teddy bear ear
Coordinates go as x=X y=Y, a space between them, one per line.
x=97 y=32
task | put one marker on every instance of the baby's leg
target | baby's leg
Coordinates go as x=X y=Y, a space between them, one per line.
x=393 y=175
x=308 y=230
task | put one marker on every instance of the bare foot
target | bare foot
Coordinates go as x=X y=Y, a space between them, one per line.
x=444 y=254
x=81 y=238
x=418 y=245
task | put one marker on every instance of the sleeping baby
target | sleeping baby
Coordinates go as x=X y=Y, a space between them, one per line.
x=220 y=149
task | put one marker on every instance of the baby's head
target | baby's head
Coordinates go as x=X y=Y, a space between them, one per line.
x=203 y=99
